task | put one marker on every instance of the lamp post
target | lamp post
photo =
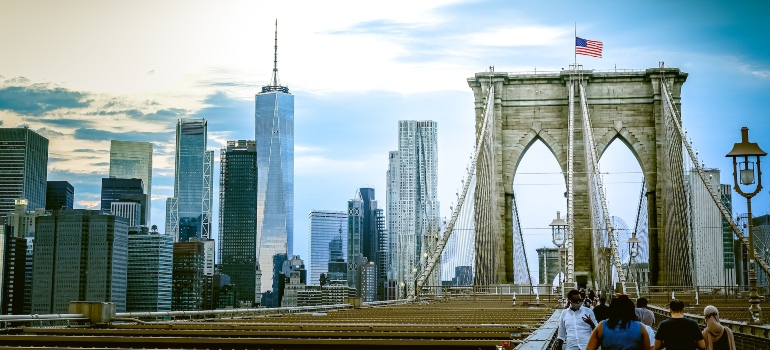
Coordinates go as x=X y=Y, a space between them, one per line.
x=559 y=235
x=749 y=152
x=633 y=250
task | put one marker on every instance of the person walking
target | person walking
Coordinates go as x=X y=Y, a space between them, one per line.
x=575 y=324
x=647 y=322
x=677 y=332
x=715 y=335
x=602 y=311
x=620 y=331
x=645 y=315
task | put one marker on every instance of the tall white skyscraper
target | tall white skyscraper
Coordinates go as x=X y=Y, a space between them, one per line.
x=706 y=230
x=133 y=160
x=411 y=189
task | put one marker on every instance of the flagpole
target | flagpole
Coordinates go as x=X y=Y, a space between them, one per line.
x=574 y=46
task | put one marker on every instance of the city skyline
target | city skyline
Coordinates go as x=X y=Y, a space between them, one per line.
x=728 y=84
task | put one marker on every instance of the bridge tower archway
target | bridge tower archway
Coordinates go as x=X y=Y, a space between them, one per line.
x=624 y=105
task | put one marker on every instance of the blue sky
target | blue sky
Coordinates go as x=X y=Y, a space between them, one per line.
x=84 y=72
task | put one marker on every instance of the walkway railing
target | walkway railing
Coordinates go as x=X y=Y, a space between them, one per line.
x=747 y=337
x=7 y=321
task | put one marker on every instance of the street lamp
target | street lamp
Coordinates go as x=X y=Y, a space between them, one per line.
x=633 y=250
x=750 y=153
x=633 y=246
x=559 y=236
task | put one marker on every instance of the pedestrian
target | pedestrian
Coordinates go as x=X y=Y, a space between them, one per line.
x=602 y=310
x=620 y=331
x=647 y=322
x=592 y=297
x=575 y=324
x=715 y=335
x=645 y=315
x=678 y=332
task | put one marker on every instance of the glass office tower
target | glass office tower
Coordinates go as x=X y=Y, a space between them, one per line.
x=114 y=190
x=59 y=195
x=133 y=160
x=274 y=124
x=192 y=183
x=325 y=226
x=23 y=168
x=238 y=216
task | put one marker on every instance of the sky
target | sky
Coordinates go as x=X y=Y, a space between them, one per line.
x=84 y=72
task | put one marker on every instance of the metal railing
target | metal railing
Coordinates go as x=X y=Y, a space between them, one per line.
x=747 y=337
x=7 y=321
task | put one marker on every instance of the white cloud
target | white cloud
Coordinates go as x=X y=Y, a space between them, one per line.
x=520 y=36
x=315 y=165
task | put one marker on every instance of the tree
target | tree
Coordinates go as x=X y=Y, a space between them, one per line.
x=322 y=279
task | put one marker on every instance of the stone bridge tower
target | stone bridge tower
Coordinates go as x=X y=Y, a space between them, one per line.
x=624 y=105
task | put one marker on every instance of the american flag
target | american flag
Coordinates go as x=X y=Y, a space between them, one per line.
x=587 y=47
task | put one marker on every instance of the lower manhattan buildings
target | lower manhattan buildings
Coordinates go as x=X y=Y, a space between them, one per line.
x=412 y=182
x=238 y=218
x=23 y=168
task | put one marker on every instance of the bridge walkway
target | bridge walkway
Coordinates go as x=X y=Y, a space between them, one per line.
x=449 y=324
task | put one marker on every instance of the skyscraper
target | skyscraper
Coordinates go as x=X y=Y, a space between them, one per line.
x=238 y=216
x=363 y=233
x=274 y=115
x=189 y=212
x=705 y=230
x=59 y=195
x=325 y=226
x=133 y=160
x=293 y=278
x=187 y=276
x=150 y=261
x=129 y=210
x=392 y=180
x=79 y=255
x=12 y=272
x=726 y=196
x=23 y=168
x=383 y=244
x=114 y=190
x=416 y=220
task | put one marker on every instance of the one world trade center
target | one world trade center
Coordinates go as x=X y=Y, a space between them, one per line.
x=275 y=176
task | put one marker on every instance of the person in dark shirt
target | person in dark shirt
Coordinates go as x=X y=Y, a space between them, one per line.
x=601 y=311
x=677 y=332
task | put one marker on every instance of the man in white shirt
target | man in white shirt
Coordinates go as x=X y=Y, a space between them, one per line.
x=575 y=324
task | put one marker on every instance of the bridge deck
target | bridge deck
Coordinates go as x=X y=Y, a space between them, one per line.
x=447 y=325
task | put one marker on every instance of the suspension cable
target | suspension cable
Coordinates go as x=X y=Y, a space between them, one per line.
x=433 y=258
x=725 y=214
x=594 y=165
